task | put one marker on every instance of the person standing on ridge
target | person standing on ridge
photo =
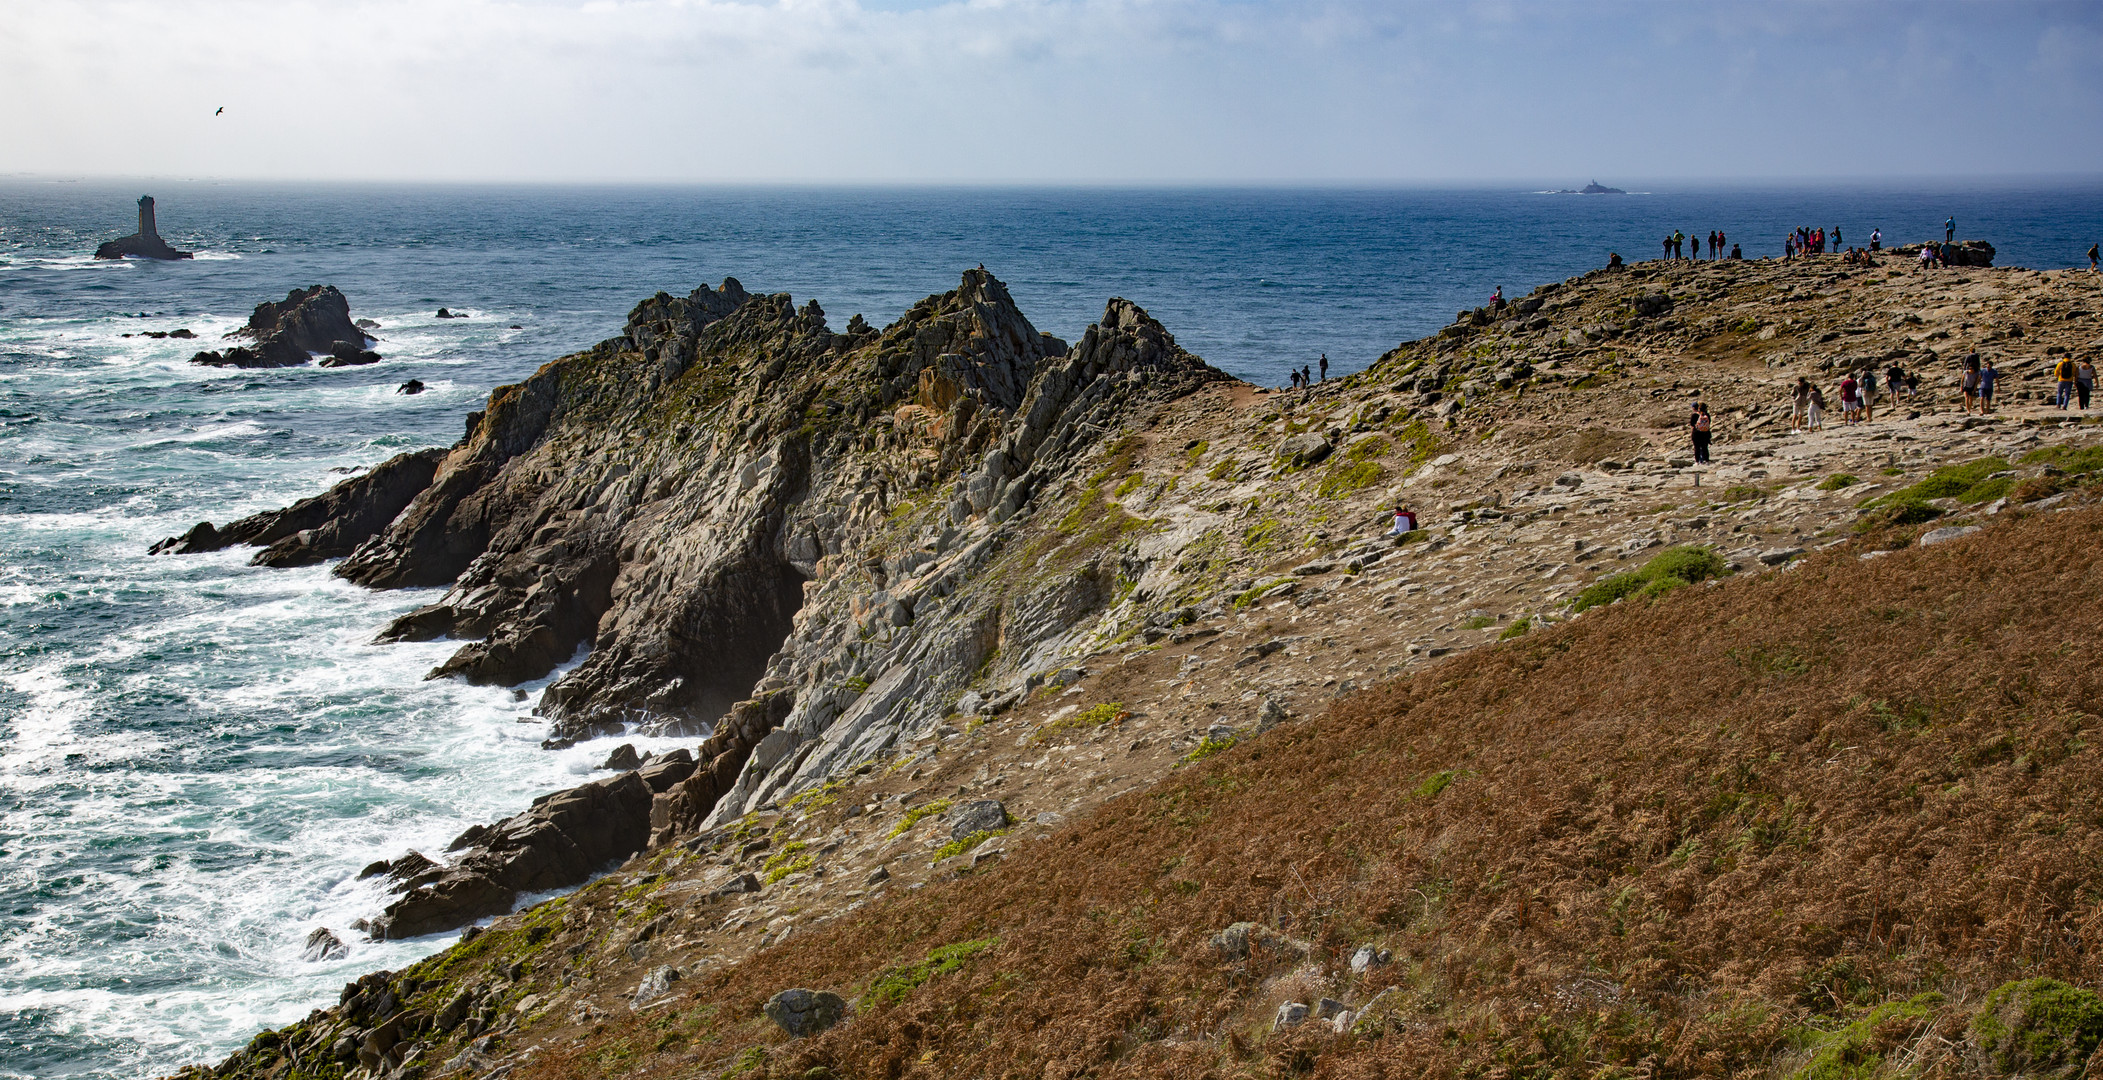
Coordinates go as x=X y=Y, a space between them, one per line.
x=2093 y=250
x=1949 y=230
x=1497 y=299
x=1876 y=239
x=1699 y=424
x=1325 y=360
x=1668 y=249
x=1837 y=241
x=1866 y=390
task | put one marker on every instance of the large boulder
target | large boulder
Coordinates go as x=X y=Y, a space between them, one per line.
x=803 y=1013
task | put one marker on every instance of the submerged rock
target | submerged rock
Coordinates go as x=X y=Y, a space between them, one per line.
x=323 y=945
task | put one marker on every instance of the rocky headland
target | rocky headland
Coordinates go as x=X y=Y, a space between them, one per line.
x=144 y=244
x=288 y=333
x=932 y=597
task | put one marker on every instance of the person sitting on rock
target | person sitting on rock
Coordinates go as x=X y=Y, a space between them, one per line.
x=1405 y=521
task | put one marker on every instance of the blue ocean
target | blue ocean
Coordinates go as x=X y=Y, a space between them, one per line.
x=197 y=756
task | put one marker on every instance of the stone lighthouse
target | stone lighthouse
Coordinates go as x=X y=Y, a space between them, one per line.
x=144 y=244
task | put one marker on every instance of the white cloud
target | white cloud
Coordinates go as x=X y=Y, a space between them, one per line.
x=1019 y=90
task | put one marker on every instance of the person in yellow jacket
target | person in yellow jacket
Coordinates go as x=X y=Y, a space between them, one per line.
x=2064 y=371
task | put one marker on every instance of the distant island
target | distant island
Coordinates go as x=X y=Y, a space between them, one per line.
x=1593 y=188
x=144 y=244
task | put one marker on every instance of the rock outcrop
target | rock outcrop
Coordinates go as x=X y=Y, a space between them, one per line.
x=288 y=333
x=326 y=526
x=144 y=244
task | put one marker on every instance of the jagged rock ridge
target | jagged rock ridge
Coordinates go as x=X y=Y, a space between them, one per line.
x=288 y=333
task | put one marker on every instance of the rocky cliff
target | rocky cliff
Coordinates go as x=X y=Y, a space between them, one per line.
x=884 y=571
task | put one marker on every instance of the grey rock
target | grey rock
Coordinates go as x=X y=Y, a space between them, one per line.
x=1290 y=1014
x=982 y=815
x=1306 y=448
x=878 y=876
x=1270 y=714
x=803 y=1013
x=1323 y=566
x=1952 y=532
x=971 y=703
x=1367 y=958
x=655 y=985
x=1778 y=556
x=1328 y=1008
x=739 y=885
x=323 y=945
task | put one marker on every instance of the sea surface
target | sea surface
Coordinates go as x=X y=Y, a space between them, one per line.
x=197 y=756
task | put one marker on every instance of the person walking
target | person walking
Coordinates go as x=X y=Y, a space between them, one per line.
x=2093 y=251
x=1866 y=389
x=1815 y=420
x=2084 y=382
x=2064 y=371
x=1699 y=423
x=1988 y=376
x=1895 y=383
x=1949 y=230
x=1850 y=403
x=1325 y=356
x=1800 y=405
x=1969 y=383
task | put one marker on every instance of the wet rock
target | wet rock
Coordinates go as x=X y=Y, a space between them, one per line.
x=201 y=537
x=410 y=388
x=665 y=770
x=323 y=945
x=566 y=837
x=983 y=815
x=325 y=526
x=803 y=1013
x=624 y=758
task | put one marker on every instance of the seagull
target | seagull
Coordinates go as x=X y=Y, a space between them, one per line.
x=222 y=109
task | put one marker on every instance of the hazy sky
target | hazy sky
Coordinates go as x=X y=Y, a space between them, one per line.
x=1049 y=90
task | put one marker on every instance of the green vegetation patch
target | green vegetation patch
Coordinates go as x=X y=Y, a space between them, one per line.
x=1480 y=622
x=960 y=846
x=1094 y=716
x=1251 y=595
x=1667 y=570
x=1129 y=485
x=1837 y=481
x=894 y=985
x=1967 y=483
x=1419 y=445
x=1516 y=629
x=1262 y=536
x=2036 y=1026
x=1439 y=781
x=912 y=817
x=1210 y=747
x=791 y=859
x=2075 y=461
x=1857 y=1051
x=1741 y=493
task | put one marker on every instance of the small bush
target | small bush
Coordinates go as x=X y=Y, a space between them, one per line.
x=1094 y=716
x=1837 y=481
x=1740 y=493
x=2072 y=460
x=1667 y=570
x=1480 y=622
x=1908 y=512
x=1516 y=629
x=2038 y=1025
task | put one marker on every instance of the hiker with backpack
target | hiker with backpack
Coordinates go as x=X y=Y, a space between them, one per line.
x=2065 y=371
x=1700 y=425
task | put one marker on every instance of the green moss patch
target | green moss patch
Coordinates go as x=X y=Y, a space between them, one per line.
x=964 y=844
x=1837 y=481
x=895 y=985
x=2038 y=1026
x=1968 y=483
x=1669 y=569
x=912 y=817
x=1857 y=1051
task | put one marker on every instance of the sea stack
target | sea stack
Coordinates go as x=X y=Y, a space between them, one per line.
x=144 y=244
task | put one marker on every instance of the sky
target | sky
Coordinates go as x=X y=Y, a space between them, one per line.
x=1049 y=91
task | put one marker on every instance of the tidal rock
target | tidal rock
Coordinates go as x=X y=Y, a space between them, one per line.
x=144 y=244
x=412 y=387
x=323 y=945
x=566 y=837
x=624 y=758
x=803 y=1013
x=287 y=333
x=326 y=526
x=446 y=314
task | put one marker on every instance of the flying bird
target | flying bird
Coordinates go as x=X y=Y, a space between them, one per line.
x=222 y=109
